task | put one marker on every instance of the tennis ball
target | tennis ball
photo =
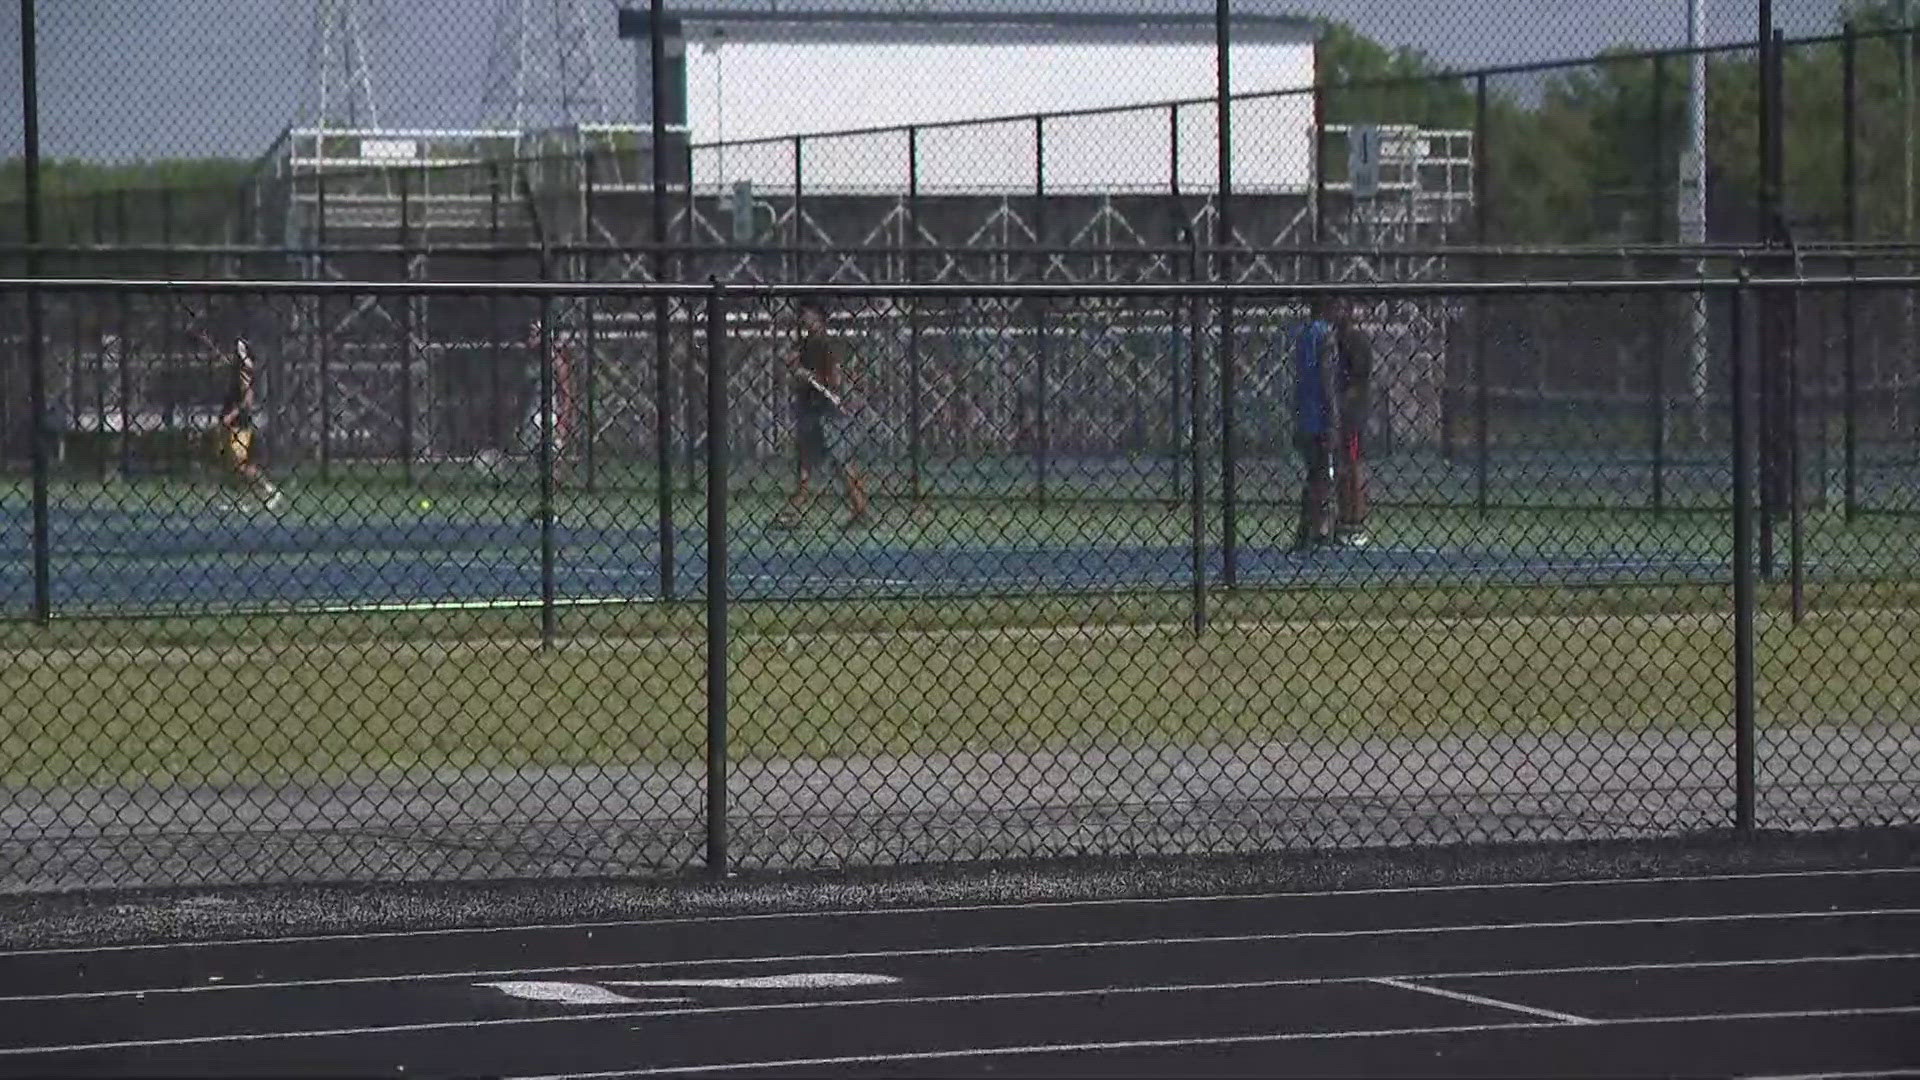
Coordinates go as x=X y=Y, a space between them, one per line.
x=426 y=504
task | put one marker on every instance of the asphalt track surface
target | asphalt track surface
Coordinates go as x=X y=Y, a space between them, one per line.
x=128 y=563
x=1794 y=973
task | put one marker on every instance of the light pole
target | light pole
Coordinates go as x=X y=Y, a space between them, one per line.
x=1693 y=207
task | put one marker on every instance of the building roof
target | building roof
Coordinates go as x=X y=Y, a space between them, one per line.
x=966 y=20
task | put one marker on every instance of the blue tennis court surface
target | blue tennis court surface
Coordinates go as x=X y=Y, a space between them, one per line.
x=106 y=562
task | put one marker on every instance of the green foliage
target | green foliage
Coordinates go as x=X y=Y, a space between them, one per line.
x=1389 y=86
x=86 y=202
x=1591 y=153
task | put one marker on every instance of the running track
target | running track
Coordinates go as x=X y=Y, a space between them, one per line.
x=1792 y=973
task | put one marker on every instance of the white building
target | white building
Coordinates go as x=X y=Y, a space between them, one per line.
x=772 y=75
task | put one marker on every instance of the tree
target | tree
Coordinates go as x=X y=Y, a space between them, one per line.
x=1370 y=83
x=84 y=202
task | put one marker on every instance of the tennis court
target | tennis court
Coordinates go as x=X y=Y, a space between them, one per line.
x=126 y=561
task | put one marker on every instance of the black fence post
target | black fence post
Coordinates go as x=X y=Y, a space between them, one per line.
x=1788 y=473
x=662 y=336
x=1321 y=262
x=916 y=380
x=590 y=270
x=1743 y=558
x=76 y=380
x=1766 y=330
x=717 y=596
x=123 y=361
x=407 y=329
x=688 y=271
x=1662 y=303
x=323 y=347
x=1196 y=450
x=546 y=456
x=689 y=219
x=103 y=468
x=1850 y=187
x=36 y=348
x=1223 y=237
x=800 y=268
x=1768 y=109
x=1041 y=436
x=126 y=344
x=1483 y=211
x=242 y=229
x=496 y=378
x=1180 y=268
x=168 y=337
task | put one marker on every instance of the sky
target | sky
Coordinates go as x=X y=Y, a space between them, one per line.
x=134 y=79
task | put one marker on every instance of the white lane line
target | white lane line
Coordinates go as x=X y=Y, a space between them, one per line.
x=1476 y=999
x=967 y=950
x=568 y=993
x=882 y=1002
x=1223 y=1040
x=944 y=909
x=924 y=1000
x=817 y=980
x=1863 y=1075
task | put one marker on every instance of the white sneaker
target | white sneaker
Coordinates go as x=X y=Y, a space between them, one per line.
x=275 y=501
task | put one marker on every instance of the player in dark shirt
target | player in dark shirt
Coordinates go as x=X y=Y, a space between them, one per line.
x=1333 y=369
x=821 y=420
x=1353 y=382
x=238 y=427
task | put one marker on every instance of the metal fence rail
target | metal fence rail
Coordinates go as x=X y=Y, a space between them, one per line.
x=565 y=622
x=898 y=202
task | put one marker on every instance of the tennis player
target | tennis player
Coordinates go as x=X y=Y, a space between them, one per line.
x=239 y=427
x=821 y=416
x=1353 y=382
x=1333 y=371
x=531 y=425
x=1314 y=424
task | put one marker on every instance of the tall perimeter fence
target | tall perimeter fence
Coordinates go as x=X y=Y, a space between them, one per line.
x=1628 y=500
x=1566 y=170
x=519 y=675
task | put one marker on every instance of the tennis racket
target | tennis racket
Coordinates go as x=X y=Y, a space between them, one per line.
x=815 y=382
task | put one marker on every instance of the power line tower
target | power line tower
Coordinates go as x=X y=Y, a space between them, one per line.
x=541 y=69
x=342 y=89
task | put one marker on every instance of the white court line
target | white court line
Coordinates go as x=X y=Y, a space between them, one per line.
x=1874 y=1073
x=1476 y=999
x=945 y=909
x=942 y=999
x=1224 y=1040
x=962 y=950
x=1898 y=1070
x=220 y=654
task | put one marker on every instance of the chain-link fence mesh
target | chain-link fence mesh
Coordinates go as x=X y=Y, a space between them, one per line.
x=1425 y=564
x=978 y=136
x=1126 y=561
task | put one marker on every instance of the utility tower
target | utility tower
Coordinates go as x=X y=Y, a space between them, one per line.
x=341 y=93
x=541 y=68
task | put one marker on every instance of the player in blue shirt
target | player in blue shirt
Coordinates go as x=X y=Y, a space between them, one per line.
x=1314 y=422
x=1333 y=365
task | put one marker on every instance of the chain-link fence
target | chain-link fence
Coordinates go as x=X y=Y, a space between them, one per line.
x=774 y=173
x=1487 y=402
x=1032 y=571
